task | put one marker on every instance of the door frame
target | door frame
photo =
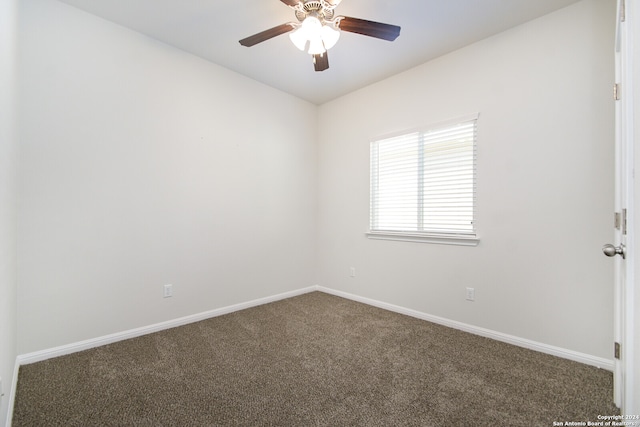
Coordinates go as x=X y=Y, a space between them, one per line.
x=632 y=93
x=627 y=291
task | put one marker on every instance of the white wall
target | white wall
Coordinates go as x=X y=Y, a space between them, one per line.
x=545 y=183
x=8 y=164
x=141 y=165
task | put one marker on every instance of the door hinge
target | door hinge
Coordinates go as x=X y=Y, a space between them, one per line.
x=616 y=92
x=623 y=11
x=616 y=350
x=616 y=220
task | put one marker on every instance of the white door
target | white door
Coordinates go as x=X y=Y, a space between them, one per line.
x=622 y=247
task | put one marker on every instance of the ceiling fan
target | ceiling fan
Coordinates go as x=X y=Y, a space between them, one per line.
x=318 y=29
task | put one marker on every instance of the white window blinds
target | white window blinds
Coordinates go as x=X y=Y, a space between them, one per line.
x=424 y=182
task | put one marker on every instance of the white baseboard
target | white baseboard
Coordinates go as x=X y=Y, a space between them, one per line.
x=587 y=359
x=38 y=356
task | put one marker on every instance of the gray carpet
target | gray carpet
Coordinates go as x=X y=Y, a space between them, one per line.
x=311 y=360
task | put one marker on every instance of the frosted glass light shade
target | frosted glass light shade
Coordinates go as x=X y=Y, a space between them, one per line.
x=312 y=26
x=330 y=36
x=298 y=38
x=316 y=47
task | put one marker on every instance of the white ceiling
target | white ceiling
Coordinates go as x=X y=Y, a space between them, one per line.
x=211 y=29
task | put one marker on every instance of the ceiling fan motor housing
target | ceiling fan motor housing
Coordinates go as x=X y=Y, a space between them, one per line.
x=319 y=8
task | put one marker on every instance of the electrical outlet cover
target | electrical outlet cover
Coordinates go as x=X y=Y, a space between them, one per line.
x=168 y=291
x=471 y=294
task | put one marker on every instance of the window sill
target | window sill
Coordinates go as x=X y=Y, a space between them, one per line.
x=425 y=238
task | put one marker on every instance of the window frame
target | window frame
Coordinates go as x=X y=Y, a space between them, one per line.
x=461 y=239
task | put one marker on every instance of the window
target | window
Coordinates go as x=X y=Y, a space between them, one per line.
x=423 y=185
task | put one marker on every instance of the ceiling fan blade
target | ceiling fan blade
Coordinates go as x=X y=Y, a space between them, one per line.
x=321 y=62
x=266 y=35
x=369 y=28
x=334 y=2
x=290 y=2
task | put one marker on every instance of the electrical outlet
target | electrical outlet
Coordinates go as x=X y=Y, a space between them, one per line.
x=471 y=294
x=168 y=291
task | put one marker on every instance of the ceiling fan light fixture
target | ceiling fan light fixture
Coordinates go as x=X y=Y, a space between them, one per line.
x=321 y=37
x=311 y=28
